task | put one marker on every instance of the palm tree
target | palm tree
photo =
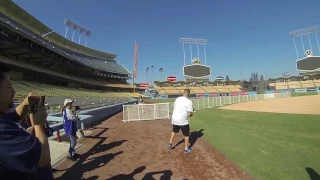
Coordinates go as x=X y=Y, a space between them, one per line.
x=147 y=74
x=151 y=74
x=161 y=70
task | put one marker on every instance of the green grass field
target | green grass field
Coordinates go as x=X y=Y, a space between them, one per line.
x=268 y=146
x=304 y=94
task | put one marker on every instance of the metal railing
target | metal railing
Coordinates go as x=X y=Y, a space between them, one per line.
x=138 y=112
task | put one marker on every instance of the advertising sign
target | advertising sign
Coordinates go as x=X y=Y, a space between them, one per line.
x=213 y=94
x=300 y=90
x=163 y=96
x=144 y=85
x=252 y=93
x=269 y=92
x=243 y=93
x=234 y=94
x=224 y=94
x=220 y=78
x=171 y=78
x=202 y=95
x=311 y=89
x=285 y=91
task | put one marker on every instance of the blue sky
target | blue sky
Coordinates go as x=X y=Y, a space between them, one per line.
x=243 y=36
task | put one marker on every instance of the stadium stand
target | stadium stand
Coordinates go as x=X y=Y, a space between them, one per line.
x=233 y=88
x=281 y=85
x=174 y=90
x=23 y=88
x=307 y=84
x=197 y=90
x=170 y=90
x=57 y=67
x=272 y=84
x=31 y=24
x=294 y=84
x=222 y=89
x=180 y=88
x=209 y=89
x=317 y=82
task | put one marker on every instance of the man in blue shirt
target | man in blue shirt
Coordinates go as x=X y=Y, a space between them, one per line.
x=22 y=156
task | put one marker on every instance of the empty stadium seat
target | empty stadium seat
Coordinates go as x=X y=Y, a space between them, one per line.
x=317 y=82
x=282 y=85
x=233 y=88
x=197 y=90
x=222 y=89
x=23 y=88
x=171 y=90
x=307 y=84
x=209 y=89
x=294 y=85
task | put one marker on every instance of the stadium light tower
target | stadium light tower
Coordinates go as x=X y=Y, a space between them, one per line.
x=191 y=41
x=302 y=32
x=75 y=27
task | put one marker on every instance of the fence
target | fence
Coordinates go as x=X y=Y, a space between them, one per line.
x=137 y=112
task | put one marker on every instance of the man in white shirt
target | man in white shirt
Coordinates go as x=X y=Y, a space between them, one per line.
x=182 y=111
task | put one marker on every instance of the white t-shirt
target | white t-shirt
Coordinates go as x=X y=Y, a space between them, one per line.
x=182 y=106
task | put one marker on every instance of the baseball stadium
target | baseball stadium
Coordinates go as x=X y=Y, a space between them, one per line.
x=264 y=129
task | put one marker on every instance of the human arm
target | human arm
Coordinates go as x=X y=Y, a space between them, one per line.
x=30 y=130
x=190 y=109
x=71 y=116
x=19 y=150
x=22 y=110
x=38 y=121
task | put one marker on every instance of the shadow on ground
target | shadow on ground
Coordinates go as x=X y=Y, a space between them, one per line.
x=82 y=166
x=194 y=136
x=312 y=174
x=166 y=174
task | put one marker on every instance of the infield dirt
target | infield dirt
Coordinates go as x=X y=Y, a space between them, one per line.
x=138 y=150
x=293 y=105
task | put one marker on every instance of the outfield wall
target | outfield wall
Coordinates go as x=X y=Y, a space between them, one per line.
x=205 y=95
x=310 y=91
x=300 y=90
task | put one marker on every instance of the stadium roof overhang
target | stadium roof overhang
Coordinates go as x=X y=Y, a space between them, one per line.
x=13 y=11
x=35 y=48
x=17 y=46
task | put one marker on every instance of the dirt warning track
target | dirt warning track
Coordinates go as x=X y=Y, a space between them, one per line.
x=138 y=150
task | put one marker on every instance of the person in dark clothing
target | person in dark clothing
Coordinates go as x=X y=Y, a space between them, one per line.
x=22 y=155
x=140 y=100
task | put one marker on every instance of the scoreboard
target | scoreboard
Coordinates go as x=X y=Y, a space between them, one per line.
x=197 y=72
x=309 y=64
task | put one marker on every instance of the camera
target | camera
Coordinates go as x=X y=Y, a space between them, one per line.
x=77 y=108
x=36 y=103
